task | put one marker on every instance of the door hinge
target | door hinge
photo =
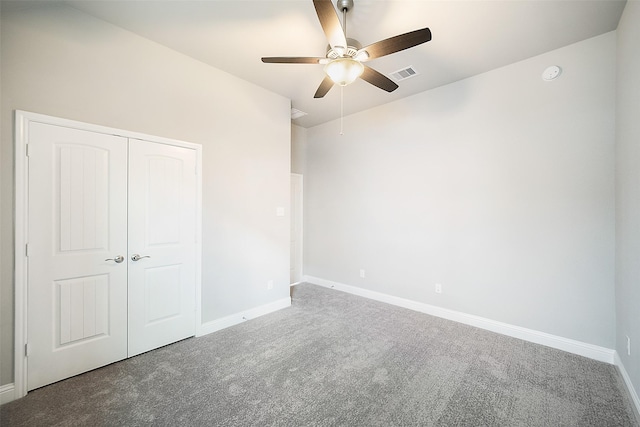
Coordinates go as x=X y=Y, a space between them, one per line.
x=26 y=250
x=26 y=150
x=27 y=350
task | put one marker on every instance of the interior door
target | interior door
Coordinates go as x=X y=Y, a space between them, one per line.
x=162 y=244
x=77 y=282
x=296 y=229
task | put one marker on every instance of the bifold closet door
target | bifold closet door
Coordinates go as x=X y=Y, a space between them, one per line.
x=77 y=248
x=162 y=244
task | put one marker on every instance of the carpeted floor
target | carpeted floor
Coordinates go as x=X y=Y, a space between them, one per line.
x=335 y=359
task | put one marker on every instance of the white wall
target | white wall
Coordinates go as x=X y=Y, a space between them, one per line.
x=500 y=187
x=61 y=62
x=628 y=192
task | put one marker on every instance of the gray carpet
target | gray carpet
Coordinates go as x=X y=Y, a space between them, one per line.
x=335 y=359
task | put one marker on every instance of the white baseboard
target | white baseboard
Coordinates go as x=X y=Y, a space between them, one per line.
x=627 y=381
x=234 y=319
x=6 y=393
x=591 y=351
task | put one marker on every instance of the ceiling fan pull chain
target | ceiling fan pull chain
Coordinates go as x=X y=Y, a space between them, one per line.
x=341 y=110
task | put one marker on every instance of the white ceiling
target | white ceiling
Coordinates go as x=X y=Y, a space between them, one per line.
x=469 y=37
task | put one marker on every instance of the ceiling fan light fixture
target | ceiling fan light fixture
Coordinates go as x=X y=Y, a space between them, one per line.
x=344 y=71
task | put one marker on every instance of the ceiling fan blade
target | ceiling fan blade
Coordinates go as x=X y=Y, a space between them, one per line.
x=378 y=79
x=330 y=23
x=292 y=60
x=396 y=44
x=324 y=87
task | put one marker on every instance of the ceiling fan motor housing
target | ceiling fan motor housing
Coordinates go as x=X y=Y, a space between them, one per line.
x=352 y=49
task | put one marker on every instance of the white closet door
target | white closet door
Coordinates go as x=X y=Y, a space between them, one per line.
x=77 y=301
x=162 y=232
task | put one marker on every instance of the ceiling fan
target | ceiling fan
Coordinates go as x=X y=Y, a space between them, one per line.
x=345 y=57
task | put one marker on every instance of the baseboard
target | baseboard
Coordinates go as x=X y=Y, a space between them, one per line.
x=591 y=351
x=629 y=384
x=6 y=393
x=234 y=319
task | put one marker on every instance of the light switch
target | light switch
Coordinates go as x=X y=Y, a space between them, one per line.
x=279 y=211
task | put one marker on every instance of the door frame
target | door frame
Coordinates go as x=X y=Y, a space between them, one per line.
x=21 y=136
x=300 y=218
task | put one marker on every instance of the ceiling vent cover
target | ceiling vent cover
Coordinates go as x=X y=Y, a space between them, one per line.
x=404 y=73
x=296 y=114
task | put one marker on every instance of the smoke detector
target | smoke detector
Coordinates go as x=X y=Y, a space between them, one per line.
x=551 y=73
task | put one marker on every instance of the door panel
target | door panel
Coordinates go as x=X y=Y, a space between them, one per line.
x=77 y=301
x=162 y=230
x=82 y=307
x=162 y=293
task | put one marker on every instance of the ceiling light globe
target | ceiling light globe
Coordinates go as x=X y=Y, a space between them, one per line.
x=344 y=71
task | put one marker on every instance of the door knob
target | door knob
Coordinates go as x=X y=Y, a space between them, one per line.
x=117 y=259
x=136 y=257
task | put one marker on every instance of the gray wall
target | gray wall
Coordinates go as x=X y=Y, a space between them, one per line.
x=628 y=191
x=500 y=187
x=60 y=62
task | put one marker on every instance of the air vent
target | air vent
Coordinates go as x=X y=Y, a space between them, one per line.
x=404 y=74
x=296 y=114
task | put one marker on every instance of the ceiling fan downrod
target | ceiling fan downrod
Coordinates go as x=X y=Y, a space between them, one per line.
x=344 y=6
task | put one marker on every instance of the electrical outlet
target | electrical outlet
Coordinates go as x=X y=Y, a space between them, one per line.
x=362 y=273
x=438 y=288
x=628 y=346
x=270 y=285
